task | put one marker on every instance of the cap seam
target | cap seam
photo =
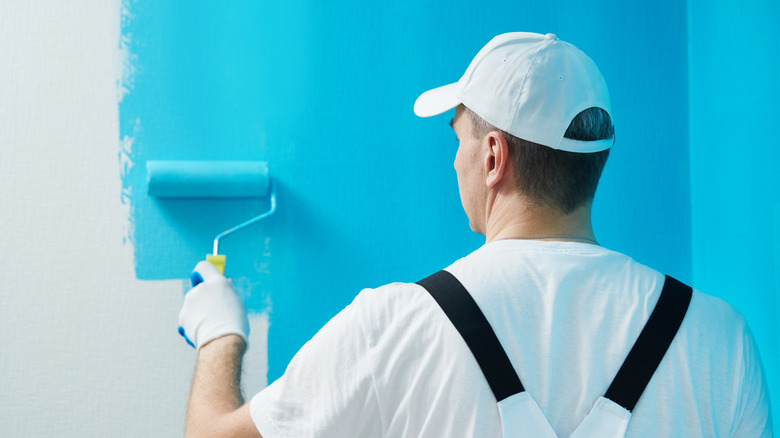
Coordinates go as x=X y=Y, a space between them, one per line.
x=546 y=43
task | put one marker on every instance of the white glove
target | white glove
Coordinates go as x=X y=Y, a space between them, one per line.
x=212 y=308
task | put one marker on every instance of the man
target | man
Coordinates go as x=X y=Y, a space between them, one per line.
x=533 y=121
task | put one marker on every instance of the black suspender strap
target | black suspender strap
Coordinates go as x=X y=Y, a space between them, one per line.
x=634 y=374
x=651 y=346
x=475 y=329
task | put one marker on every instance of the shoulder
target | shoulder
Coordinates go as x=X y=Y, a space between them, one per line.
x=388 y=293
x=715 y=325
x=714 y=358
x=390 y=304
x=404 y=320
x=710 y=316
x=714 y=336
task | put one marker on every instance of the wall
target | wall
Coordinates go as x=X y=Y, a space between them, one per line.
x=95 y=269
x=323 y=93
x=735 y=186
x=86 y=349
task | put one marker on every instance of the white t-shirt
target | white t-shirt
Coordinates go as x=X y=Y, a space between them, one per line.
x=392 y=365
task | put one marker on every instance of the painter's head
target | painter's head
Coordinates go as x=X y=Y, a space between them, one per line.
x=547 y=177
x=542 y=99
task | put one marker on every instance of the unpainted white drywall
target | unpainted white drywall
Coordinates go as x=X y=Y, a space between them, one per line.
x=85 y=348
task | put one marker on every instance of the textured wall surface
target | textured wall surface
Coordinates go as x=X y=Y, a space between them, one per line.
x=735 y=157
x=94 y=270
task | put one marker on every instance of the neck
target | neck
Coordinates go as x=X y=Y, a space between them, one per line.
x=521 y=221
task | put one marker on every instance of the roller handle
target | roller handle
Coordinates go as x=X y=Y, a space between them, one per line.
x=217 y=260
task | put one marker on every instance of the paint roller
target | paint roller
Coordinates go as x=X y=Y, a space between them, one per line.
x=212 y=179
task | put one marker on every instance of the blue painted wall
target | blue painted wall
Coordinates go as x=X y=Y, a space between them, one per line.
x=323 y=91
x=735 y=157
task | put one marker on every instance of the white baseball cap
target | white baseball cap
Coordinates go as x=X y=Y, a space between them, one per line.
x=529 y=85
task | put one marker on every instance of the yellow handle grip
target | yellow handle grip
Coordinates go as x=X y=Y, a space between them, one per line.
x=218 y=261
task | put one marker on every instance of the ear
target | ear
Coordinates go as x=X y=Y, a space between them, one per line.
x=496 y=158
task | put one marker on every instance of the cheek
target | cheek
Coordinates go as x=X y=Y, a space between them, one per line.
x=458 y=163
x=465 y=164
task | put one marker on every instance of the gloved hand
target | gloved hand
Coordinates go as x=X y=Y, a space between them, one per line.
x=211 y=308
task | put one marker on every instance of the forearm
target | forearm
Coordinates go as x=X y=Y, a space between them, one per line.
x=215 y=392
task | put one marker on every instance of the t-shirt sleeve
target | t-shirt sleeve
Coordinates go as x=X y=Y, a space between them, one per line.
x=328 y=388
x=754 y=416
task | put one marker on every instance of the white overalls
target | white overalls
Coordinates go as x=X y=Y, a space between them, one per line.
x=520 y=414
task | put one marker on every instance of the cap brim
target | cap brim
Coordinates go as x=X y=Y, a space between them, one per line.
x=436 y=101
